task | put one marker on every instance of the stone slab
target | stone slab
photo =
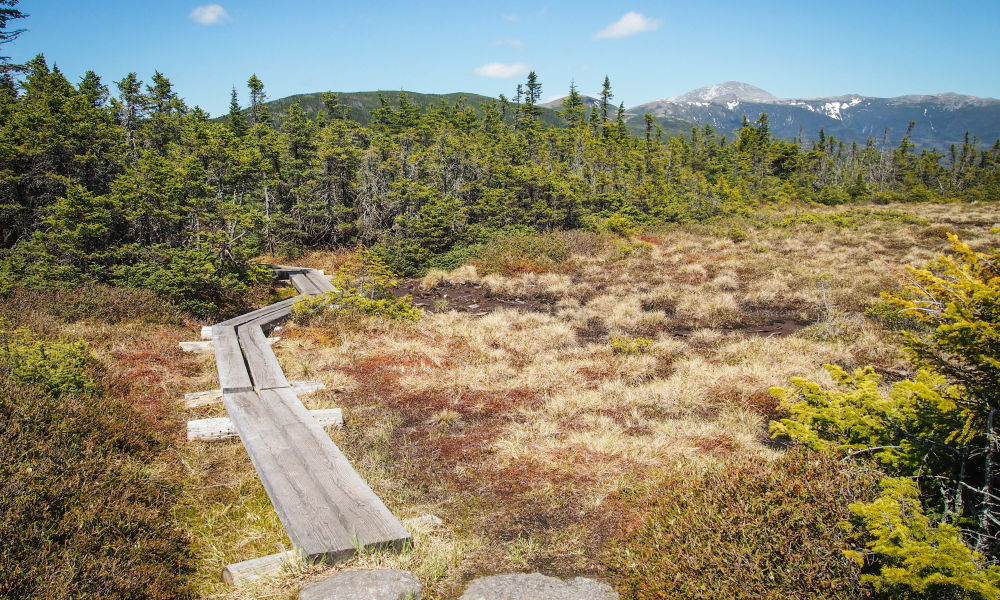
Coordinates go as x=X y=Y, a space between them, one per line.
x=380 y=584
x=535 y=586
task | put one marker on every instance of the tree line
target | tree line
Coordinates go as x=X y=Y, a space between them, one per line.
x=136 y=188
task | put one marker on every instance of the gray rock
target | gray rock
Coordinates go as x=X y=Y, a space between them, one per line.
x=535 y=586
x=380 y=584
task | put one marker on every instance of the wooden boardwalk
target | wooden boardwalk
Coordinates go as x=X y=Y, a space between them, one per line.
x=327 y=509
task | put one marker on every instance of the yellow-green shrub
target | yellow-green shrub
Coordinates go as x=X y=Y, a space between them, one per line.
x=629 y=345
x=363 y=285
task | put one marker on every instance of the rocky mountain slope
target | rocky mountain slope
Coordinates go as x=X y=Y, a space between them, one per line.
x=940 y=119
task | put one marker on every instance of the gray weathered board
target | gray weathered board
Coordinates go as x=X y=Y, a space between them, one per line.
x=327 y=509
x=265 y=371
x=233 y=374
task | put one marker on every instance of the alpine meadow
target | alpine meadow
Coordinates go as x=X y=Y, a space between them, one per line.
x=720 y=345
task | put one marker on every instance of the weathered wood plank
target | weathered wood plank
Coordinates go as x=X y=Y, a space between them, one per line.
x=312 y=524
x=221 y=428
x=304 y=285
x=320 y=281
x=265 y=370
x=258 y=568
x=200 y=346
x=256 y=314
x=362 y=513
x=233 y=373
x=284 y=271
x=327 y=509
x=209 y=397
x=268 y=321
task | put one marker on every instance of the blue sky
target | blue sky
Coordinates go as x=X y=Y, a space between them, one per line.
x=650 y=50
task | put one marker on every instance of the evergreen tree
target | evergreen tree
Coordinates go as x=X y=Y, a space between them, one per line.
x=237 y=124
x=572 y=107
x=258 y=112
x=532 y=93
x=333 y=106
x=8 y=13
x=606 y=97
x=93 y=90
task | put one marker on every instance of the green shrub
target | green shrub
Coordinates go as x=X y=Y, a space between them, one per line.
x=522 y=253
x=58 y=368
x=404 y=257
x=750 y=529
x=736 y=234
x=630 y=345
x=621 y=224
x=192 y=278
x=832 y=196
x=733 y=233
x=850 y=218
x=82 y=515
x=890 y=316
x=888 y=197
x=363 y=285
x=336 y=302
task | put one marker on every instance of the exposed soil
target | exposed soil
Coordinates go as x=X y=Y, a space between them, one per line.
x=772 y=329
x=478 y=300
x=468 y=297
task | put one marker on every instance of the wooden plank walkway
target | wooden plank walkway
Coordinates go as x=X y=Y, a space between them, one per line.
x=327 y=509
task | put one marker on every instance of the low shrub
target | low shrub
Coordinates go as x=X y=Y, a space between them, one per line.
x=751 y=529
x=81 y=513
x=43 y=309
x=630 y=345
x=363 y=285
x=620 y=224
x=891 y=317
x=523 y=253
x=850 y=218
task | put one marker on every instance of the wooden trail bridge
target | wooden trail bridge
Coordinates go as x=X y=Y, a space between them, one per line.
x=327 y=509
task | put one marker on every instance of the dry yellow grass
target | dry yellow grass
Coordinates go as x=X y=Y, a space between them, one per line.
x=519 y=428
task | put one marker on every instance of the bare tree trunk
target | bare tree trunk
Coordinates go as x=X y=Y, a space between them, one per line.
x=988 y=514
x=267 y=222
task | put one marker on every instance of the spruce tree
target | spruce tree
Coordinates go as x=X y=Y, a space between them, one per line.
x=572 y=107
x=257 y=99
x=237 y=124
x=606 y=97
x=532 y=93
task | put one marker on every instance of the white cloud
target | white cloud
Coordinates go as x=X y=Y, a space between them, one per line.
x=513 y=43
x=631 y=23
x=209 y=14
x=498 y=70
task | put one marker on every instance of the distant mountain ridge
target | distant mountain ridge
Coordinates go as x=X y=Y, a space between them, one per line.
x=940 y=119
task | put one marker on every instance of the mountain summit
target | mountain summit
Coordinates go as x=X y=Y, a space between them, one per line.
x=727 y=91
x=939 y=119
